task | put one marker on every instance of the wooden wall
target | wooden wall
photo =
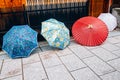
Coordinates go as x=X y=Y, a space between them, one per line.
x=99 y=6
x=9 y=6
x=11 y=3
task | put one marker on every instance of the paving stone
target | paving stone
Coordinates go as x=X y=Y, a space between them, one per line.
x=98 y=66
x=113 y=40
x=11 y=68
x=2 y=52
x=81 y=52
x=1 y=64
x=64 y=52
x=8 y=60
x=37 y=50
x=34 y=71
x=91 y=47
x=4 y=56
x=19 y=77
x=104 y=54
x=58 y=73
x=45 y=79
x=115 y=63
x=118 y=44
x=72 y=62
x=117 y=37
x=85 y=74
x=47 y=48
x=42 y=43
x=114 y=33
x=32 y=58
x=111 y=76
x=71 y=38
x=110 y=47
x=117 y=52
x=49 y=58
x=73 y=44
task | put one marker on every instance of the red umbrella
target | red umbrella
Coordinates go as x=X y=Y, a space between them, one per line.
x=89 y=31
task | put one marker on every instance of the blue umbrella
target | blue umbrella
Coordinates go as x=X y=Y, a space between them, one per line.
x=20 y=41
x=56 y=33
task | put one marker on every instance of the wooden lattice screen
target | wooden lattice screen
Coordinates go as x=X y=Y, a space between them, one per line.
x=32 y=12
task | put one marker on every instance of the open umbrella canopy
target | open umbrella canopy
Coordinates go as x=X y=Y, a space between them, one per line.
x=109 y=20
x=89 y=31
x=19 y=41
x=56 y=33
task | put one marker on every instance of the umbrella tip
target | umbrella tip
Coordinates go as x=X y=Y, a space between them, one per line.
x=90 y=26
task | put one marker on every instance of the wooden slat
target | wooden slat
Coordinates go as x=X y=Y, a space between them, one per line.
x=11 y=3
x=47 y=2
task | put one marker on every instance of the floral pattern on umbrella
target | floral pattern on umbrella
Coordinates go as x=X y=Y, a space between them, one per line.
x=56 y=33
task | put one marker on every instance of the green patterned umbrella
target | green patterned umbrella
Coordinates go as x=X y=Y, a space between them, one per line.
x=56 y=33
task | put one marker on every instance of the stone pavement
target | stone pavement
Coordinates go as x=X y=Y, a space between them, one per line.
x=75 y=62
